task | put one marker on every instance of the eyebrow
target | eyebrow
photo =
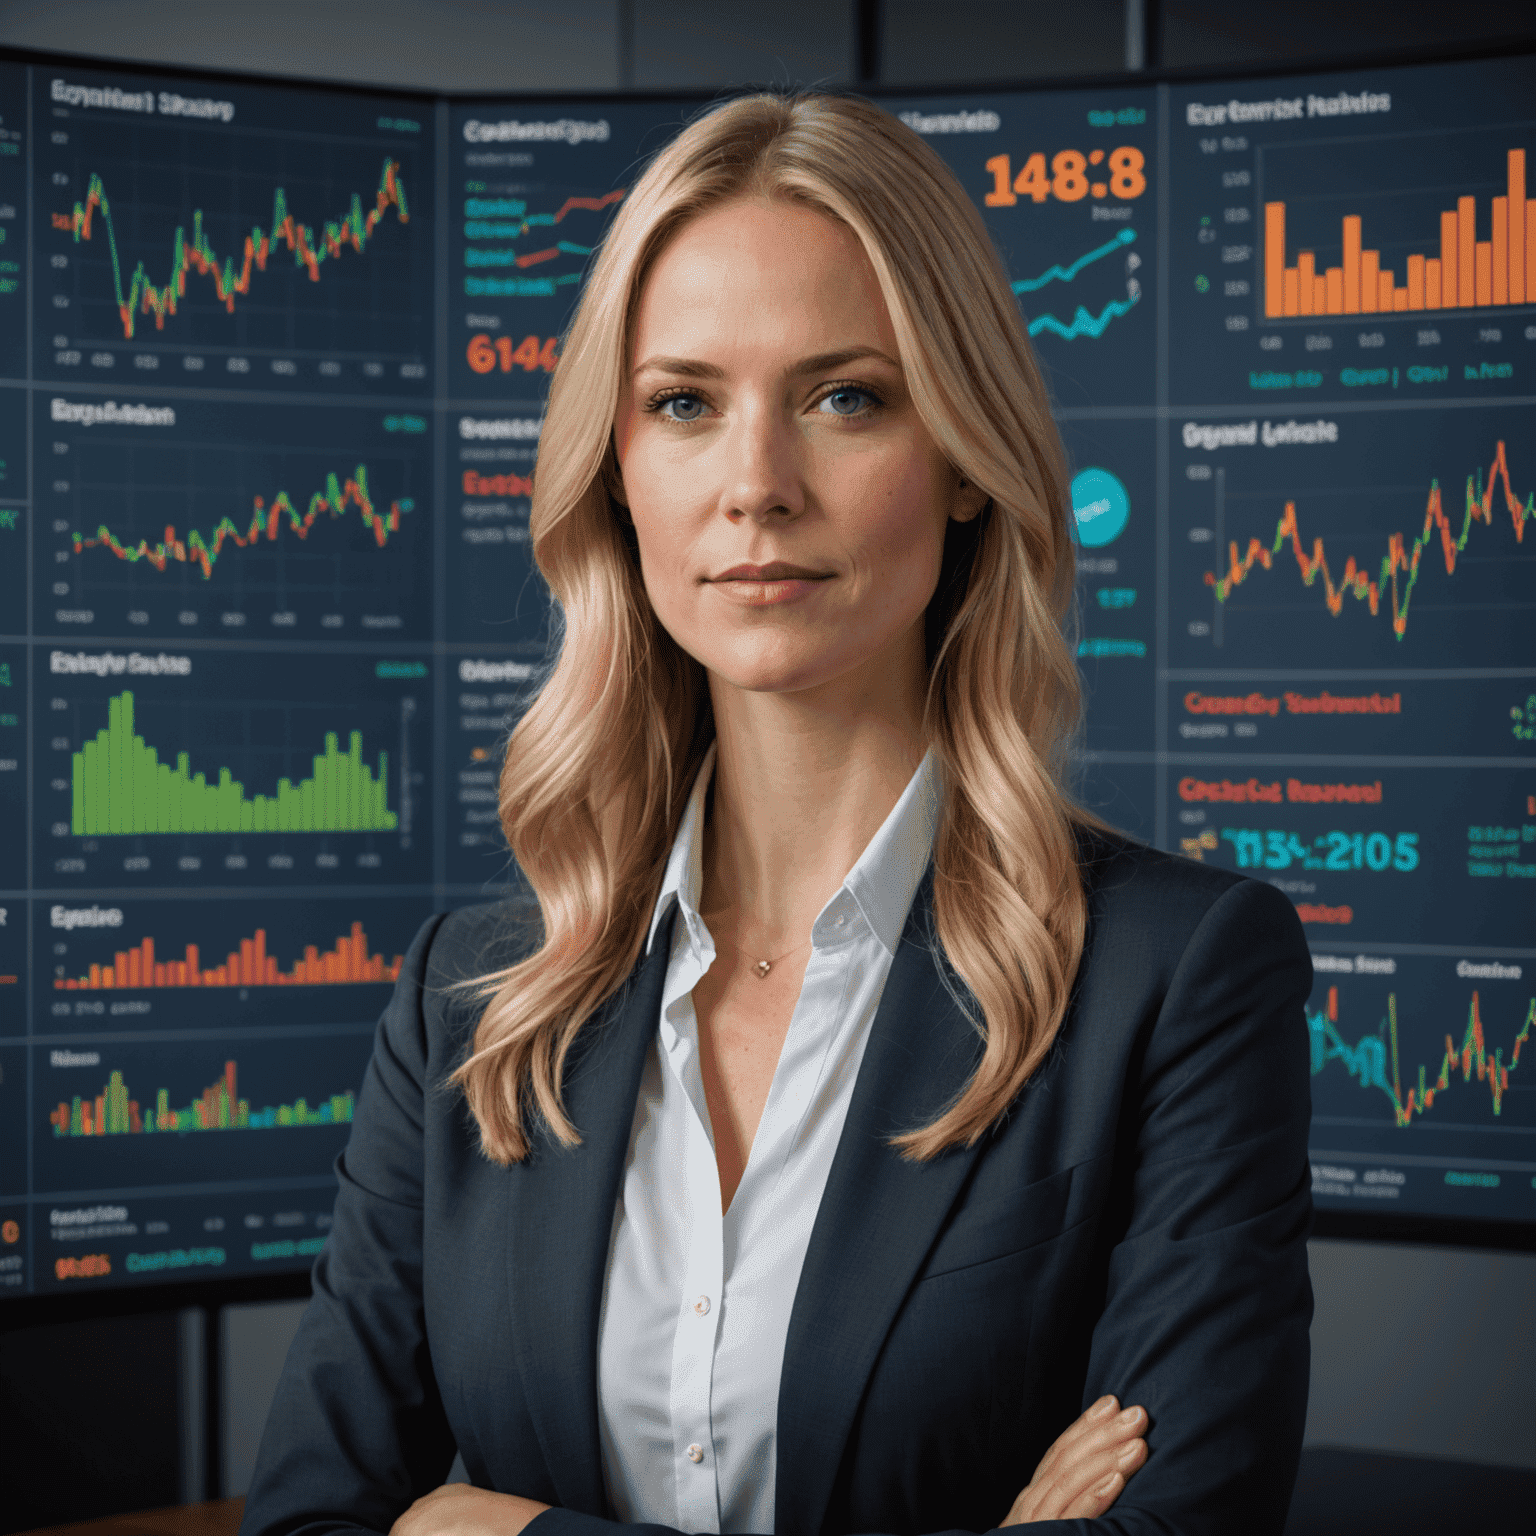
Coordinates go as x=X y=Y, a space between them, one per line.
x=692 y=368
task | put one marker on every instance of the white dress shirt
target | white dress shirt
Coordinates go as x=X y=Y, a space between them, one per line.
x=695 y=1304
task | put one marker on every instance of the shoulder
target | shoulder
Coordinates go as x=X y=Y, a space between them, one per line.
x=476 y=941
x=1149 y=909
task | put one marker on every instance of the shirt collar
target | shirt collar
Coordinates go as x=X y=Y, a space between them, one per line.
x=882 y=883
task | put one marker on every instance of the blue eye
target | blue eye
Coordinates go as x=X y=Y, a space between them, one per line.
x=683 y=407
x=846 y=402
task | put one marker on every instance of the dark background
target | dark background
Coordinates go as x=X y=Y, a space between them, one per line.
x=1417 y=1351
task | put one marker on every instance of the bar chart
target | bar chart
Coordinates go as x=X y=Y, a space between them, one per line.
x=1467 y=273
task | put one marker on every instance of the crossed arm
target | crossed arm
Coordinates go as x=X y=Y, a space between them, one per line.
x=1081 y=1475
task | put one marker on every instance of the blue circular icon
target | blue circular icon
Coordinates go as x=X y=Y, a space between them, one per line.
x=1100 y=508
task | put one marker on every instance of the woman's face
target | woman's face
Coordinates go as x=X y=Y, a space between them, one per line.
x=765 y=422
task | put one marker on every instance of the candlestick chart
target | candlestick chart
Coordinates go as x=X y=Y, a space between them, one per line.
x=352 y=229
x=1373 y=538
x=266 y=522
x=246 y=258
x=1397 y=573
x=297 y=521
x=1375 y=1061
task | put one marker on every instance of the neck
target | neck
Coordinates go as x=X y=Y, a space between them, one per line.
x=801 y=784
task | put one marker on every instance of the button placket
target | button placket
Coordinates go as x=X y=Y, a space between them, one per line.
x=693 y=1354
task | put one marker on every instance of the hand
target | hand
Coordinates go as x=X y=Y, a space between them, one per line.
x=456 y=1509
x=1086 y=1470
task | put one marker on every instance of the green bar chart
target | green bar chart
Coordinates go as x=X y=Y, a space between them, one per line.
x=120 y=787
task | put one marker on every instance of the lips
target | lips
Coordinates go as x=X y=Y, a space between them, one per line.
x=776 y=570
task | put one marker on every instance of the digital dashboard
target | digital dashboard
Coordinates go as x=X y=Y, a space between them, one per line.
x=271 y=369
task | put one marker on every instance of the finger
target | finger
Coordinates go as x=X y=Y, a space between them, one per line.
x=1095 y=1416
x=1092 y=1503
x=1078 y=1448
x=1079 y=1479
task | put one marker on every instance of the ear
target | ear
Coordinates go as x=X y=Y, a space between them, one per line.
x=968 y=501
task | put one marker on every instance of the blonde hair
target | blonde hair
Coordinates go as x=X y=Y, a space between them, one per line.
x=599 y=768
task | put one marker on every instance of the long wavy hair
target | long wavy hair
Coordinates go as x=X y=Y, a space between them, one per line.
x=599 y=768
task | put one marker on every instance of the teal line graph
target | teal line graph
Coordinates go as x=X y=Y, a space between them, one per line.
x=1065 y=274
x=1082 y=323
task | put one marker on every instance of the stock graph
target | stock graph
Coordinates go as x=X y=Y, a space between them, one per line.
x=346 y=963
x=1362 y=539
x=529 y=201
x=209 y=1107
x=352 y=229
x=131 y=963
x=1067 y=196
x=267 y=522
x=1419 y=1086
x=1364 y=236
x=202 y=519
x=1468 y=273
x=1373 y=1059
x=266 y=240
x=1398 y=572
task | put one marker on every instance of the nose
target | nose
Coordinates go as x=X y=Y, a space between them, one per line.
x=761 y=476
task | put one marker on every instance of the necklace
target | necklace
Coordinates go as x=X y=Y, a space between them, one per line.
x=760 y=968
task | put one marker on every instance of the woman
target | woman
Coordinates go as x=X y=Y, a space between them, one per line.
x=863 y=1123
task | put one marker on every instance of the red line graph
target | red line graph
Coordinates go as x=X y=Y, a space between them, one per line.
x=1399 y=567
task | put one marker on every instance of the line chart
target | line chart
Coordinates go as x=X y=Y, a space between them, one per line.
x=1083 y=323
x=267 y=522
x=352 y=228
x=508 y=219
x=1065 y=274
x=1398 y=571
x=1373 y=1059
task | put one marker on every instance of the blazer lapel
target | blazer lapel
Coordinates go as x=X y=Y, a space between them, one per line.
x=560 y=1218
x=878 y=1217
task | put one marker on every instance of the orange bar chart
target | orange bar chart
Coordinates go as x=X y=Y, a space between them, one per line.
x=249 y=966
x=1464 y=273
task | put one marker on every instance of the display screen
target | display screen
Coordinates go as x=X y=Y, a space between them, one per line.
x=272 y=364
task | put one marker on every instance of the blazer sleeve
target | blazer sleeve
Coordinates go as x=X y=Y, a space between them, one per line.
x=357 y=1430
x=1208 y=1306
x=1207 y=1301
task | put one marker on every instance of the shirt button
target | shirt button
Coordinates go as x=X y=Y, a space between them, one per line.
x=695 y=1453
x=701 y=1306
x=837 y=922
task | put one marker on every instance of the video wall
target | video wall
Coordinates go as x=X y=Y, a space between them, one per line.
x=271 y=371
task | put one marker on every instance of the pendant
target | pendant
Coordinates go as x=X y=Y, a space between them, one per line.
x=762 y=969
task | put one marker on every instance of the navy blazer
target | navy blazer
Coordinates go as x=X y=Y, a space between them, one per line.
x=1135 y=1224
